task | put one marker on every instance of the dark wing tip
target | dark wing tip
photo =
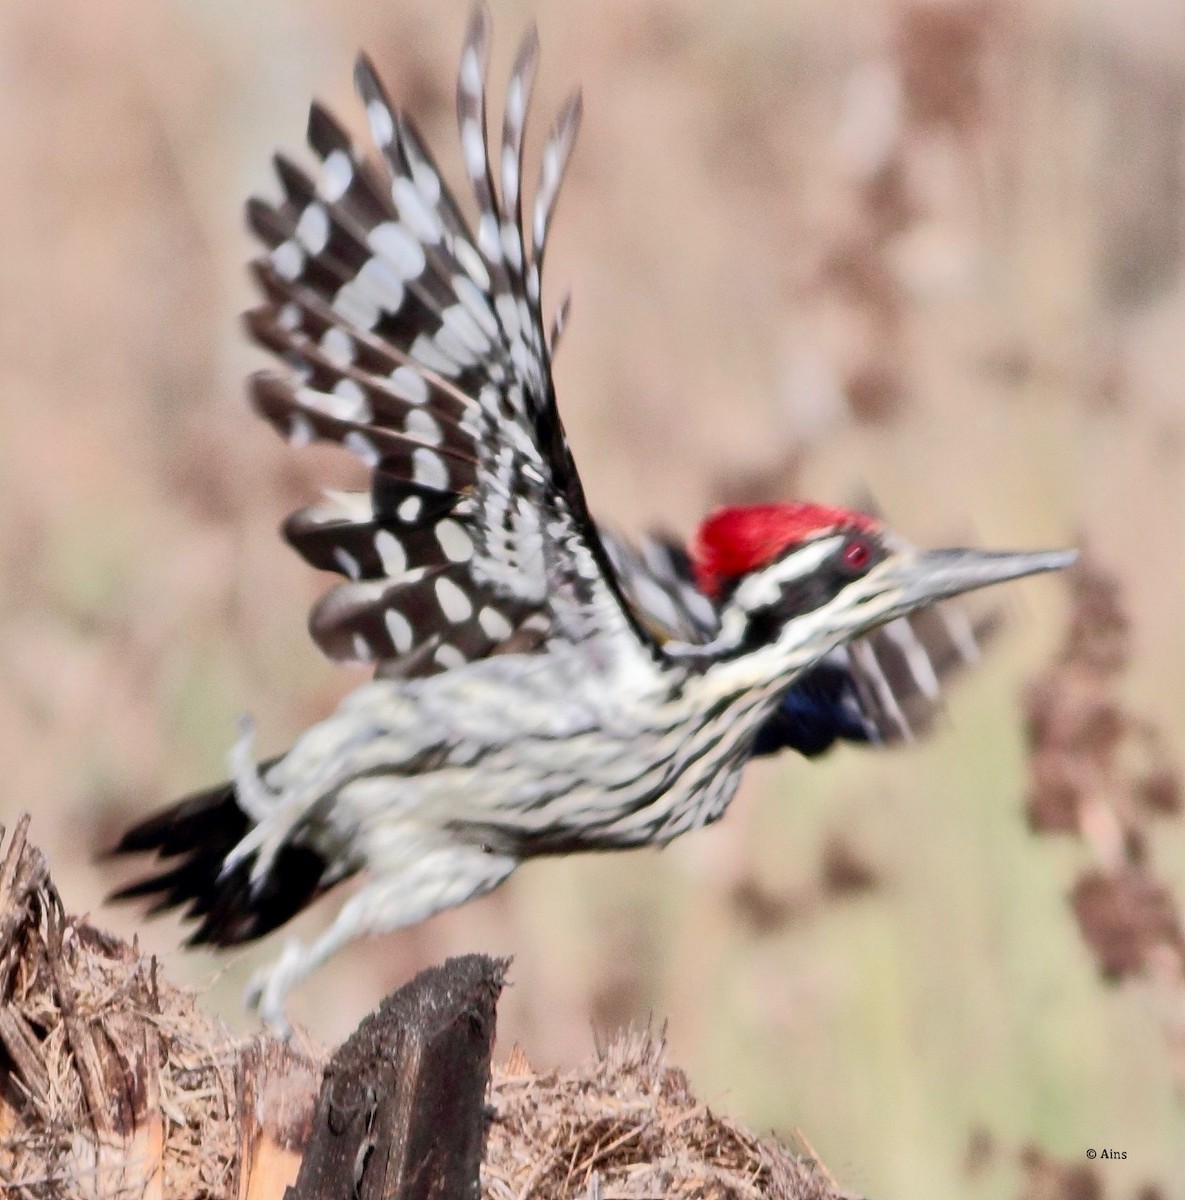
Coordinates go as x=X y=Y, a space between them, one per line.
x=368 y=81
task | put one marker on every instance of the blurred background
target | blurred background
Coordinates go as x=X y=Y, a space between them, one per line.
x=930 y=251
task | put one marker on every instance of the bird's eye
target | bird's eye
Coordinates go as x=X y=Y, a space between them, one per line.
x=856 y=554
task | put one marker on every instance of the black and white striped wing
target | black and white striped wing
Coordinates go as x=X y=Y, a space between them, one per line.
x=420 y=347
x=657 y=578
x=900 y=669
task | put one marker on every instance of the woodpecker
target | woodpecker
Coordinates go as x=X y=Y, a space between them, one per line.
x=541 y=686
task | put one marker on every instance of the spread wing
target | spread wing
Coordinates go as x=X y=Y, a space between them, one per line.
x=420 y=346
x=883 y=688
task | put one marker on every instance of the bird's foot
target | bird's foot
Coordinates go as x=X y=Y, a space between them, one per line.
x=268 y=989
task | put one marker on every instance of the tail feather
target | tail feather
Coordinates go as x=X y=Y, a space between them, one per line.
x=237 y=911
x=209 y=820
x=201 y=831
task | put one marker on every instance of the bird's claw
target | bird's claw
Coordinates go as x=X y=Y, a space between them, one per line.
x=268 y=989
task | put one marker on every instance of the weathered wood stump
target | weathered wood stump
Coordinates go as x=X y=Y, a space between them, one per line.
x=401 y=1114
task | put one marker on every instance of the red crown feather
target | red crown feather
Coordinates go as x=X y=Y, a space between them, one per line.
x=733 y=541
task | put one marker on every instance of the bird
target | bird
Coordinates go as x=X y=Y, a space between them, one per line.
x=541 y=685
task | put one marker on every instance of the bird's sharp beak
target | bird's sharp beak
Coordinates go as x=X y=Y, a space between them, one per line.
x=927 y=576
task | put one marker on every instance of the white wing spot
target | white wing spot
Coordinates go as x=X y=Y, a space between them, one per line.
x=495 y=626
x=427 y=181
x=348 y=563
x=454 y=541
x=509 y=171
x=408 y=384
x=551 y=167
x=508 y=313
x=415 y=211
x=653 y=598
x=425 y=350
x=354 y=506
x=465 y=254
x=288 y=260
x=338 y=346
x=421 y=425
x=474 y=147
x=399 y=247
x=450 y=344
x=471 y=72
x=398 y=630
x=449 y=657
x=391 y=553
x=410 y=510
x=300 y=430
x=516 y=101
x=379 y=281
x=428 y=469
x=356 y=306
x=359 y=444
x=453 y=602
x=512 y=245
x=521 y=356
x=382 y=126
x=360 y=648
x=312 y=230
x=290 y=316
x=459 y=320
x=700 y=607
x=337 y=173
x=347 y=402
x=476 y=303
x=350 y=390
x=489 y=240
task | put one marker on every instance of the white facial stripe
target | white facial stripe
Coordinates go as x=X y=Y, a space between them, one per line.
x=764 y=588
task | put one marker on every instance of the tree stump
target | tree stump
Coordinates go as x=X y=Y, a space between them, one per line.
x=401 y=1114
x=114 y=1083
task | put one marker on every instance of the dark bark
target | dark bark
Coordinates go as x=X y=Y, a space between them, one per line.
x=401 y=1113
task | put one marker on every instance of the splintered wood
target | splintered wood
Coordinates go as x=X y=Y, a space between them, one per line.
x=113 y=1084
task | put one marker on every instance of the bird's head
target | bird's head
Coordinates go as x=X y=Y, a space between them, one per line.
x=809 y=576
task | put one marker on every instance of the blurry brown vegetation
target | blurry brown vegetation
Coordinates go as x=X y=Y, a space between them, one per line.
x=932 y=250
x=1105 y=774
x=842 y=873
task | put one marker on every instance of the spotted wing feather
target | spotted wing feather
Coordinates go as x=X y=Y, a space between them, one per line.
x=656 y=574
x=419 y=346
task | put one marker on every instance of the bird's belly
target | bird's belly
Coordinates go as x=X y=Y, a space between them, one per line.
x=595 y=793
x=542 y=771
